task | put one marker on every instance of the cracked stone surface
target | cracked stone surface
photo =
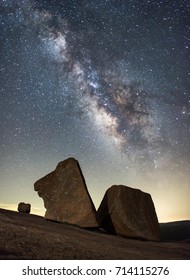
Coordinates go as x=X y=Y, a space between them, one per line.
x=129 y=212
x=66 y=196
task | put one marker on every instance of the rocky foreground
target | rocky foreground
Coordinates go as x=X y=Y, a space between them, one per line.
x=26 y=236
x=124 y=211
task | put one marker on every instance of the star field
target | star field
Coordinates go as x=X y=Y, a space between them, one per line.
x=106 y=82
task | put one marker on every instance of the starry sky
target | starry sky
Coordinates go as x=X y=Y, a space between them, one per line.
x=104 y=81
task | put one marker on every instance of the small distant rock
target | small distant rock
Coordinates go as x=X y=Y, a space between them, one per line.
x=66 y=197
x=130 y=213
x=24 y=207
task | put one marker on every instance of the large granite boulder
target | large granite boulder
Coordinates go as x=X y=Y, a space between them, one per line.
x=66 y=197
x=129 y=212
x=24 y=207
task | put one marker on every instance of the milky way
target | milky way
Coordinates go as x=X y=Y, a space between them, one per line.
x=104 y=81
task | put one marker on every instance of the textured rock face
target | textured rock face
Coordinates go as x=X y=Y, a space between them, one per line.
x=24 y=207
x=129 y=212
x=65 y=195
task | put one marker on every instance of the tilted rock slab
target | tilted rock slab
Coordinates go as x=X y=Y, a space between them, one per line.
x=65 y=195
x=129 y=212
x=24 y=207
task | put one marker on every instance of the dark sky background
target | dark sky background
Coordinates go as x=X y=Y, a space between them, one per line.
x=106 y=82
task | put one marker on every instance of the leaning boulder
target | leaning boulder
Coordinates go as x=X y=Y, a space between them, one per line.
x=24 y=207
x=66 y=197
x=129 y=212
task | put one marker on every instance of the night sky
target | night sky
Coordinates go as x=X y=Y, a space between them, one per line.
x=104 y=81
